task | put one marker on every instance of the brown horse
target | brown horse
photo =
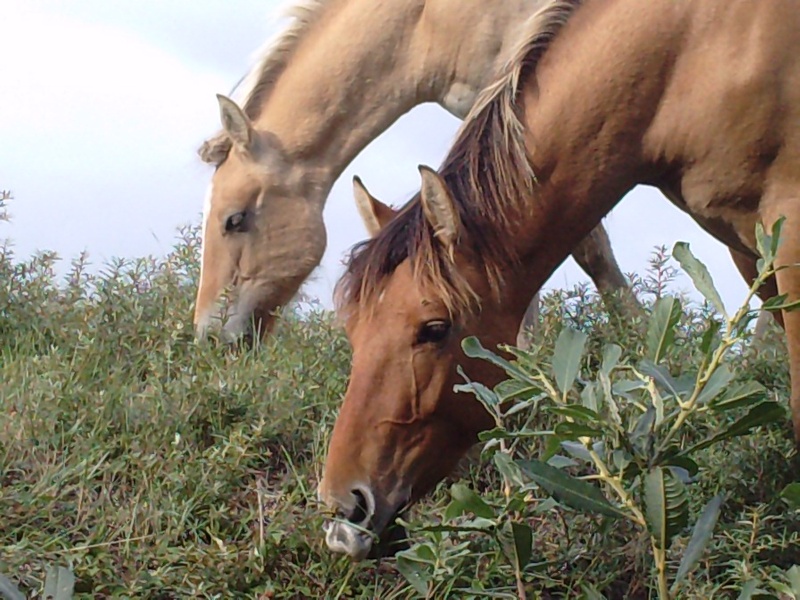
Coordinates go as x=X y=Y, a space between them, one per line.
x=337 y=78
x=701 y=99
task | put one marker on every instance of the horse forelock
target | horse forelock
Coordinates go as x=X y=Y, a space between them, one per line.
x=490 y=179
x=272 y=61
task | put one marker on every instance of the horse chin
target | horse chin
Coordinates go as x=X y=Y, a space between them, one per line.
x=344 y=538
x=393 y=540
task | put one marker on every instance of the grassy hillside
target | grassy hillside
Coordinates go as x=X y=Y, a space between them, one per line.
x=152 y=466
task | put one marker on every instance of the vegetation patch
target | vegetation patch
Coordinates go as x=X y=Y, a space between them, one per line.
x=642 y=454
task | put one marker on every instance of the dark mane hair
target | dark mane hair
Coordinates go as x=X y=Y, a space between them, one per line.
x=490 y=179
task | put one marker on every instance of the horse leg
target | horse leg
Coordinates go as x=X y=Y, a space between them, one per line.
x=594 y=255
x=788 y=281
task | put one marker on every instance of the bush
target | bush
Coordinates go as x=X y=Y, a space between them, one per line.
x=149 y=465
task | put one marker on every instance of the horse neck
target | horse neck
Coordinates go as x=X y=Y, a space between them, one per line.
x=366 y=63
x=589 y=149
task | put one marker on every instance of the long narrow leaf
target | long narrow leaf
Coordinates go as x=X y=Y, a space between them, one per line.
x=473 y=349
x=699 y=274
x=611 y=356
x=661 y=329
x=740 y=395
x=791 y=495
x=59 y=583
x=8 y=590
x=718 y=381
x=567 y=358
x=667 y=505
x=575 y=493
x=701 y=535
x=763 y=413
x=523 y=543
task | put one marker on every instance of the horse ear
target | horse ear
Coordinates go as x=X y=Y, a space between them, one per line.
x=374 y=213
x=235 y=123
x=438 y=206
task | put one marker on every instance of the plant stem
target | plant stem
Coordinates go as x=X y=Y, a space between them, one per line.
x=660 y=557
x=727 y=341
x=520 y=587
x=615 y=485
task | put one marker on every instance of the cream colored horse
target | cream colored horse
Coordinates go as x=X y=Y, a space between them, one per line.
x=341 y=75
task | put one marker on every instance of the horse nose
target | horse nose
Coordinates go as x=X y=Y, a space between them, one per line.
x=364 y=508
x=356 y=507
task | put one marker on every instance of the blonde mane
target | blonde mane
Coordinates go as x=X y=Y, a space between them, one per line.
x=490 y=178
x=272 y=62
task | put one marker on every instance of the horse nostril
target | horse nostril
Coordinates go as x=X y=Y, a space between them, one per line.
x=360 y=513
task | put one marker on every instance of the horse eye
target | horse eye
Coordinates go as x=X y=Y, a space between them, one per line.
x=236 y=222
x=433 y=332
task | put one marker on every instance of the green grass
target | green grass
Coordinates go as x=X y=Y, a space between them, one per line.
x=153 y=466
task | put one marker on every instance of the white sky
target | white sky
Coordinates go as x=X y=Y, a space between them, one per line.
x=103 y=105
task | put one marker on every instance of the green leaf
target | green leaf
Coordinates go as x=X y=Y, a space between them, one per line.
x=701 y=534
x=700 y=276
x=486 y=395
x=577 y=449
x=739 y=395
x=709 y=336
x=573 y=431
x=523 y=544
x=793 y=575
x=779 y=303
x=575 y=411
x=661 y=376
x=552 y=446
x=530 y=403
x=8 y=590
x=471 y=501
x=59 y=583
x=684 y=462
x=589 y=592
x=473 y=349
x=567 y=358
x=479 y=524
x=749 y=589
x=611 y=356
x=762 y=413
x=414 y=571
x=624 y=387
x=791 y=495
x=667 y=506
x=588 y=395
x=767 y=244
x=509 y=469
x=575 y=493
x=718 y=381
x=661 y=329
x=641 y=436
x=561 y=462
x=513 y=389
x=454 y=510
x=499 y=433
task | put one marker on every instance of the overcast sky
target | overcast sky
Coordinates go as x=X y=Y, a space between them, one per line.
x=103 y=105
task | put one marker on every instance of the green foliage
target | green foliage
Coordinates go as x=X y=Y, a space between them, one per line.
x=630 y=439
x=148 y=465
x=5 y=196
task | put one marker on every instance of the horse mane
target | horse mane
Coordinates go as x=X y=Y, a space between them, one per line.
x=490 y=180
x=273 y=59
